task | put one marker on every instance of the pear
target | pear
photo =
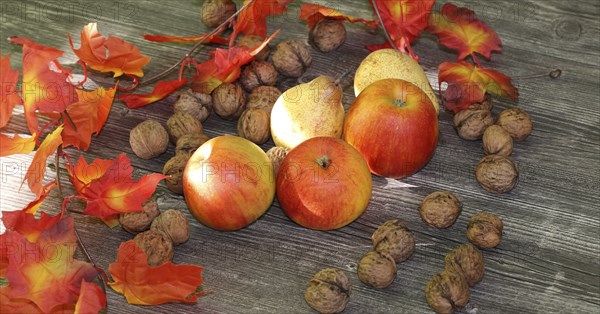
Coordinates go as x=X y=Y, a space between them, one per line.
x=390 y=63
x=308 y=110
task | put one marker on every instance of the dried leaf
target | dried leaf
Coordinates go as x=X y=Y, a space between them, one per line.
x=37 y=168
x=8 y=94
x=214 y=39
x=27 y=225
x=91 y=299
x=313 y=13
x=16 y=144
x=253 y=20
x=160 y=91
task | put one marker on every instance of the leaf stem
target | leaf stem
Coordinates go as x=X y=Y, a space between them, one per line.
x=476 y=59
x=385 y=31
x=57 y=166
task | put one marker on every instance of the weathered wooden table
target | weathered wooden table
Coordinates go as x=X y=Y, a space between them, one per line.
x=549 y=259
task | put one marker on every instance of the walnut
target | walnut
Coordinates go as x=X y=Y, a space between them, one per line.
x=140 y=221
x=497 y=141
x=291 y=58
x=157 y=247
x=467 y=261
x=174 y=224
x=394 y=238
x=253 y=41
x=440 y=209
x=446 y=292
x=485 y=104
x=181 y=123
x=276 y=155
x=517 y=122
x=263 y=97
x=328 y=291
x=255 y=125
x=174 y=168
x=229 y=101
x=377 y=269
x=216 y=12
x=327 y=35
x=187 y=144
x=198 y=105
x=485 y=230
x=497 y=174
x=148 y=139
x=258 y=73
x=470 y=124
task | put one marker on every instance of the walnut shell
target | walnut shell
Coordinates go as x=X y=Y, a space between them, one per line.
x=292 y=58
x=467 y=261
x=253 y=41
x=258 y=73
x=140 y=221
x=276 y=156
x=394 y=239
x=187 y=144
x=328 y=291
x=229 y=101
x=148 y=139
x=157 y=247
x=377 y=269
x=485 y=230
x=198 y=105
x=440 y=209
x=470 y=124
x=497 y=174
x=446 y=292
x=497 y=141
x=327 y=35
x=517 y=122
x=174 y=168
x=263 y=97
x=174 y=224
x=255 y=125
x=216 y=12
x=181 y=123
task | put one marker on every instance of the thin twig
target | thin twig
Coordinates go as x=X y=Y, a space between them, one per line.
x=70 y=120
x=57 y=165
x=385 y=31
x=89 y=257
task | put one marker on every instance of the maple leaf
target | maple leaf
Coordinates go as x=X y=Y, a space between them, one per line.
x=253 y=19
x=467 y=84
x=145 y=285
x=110 y=54
x=313 y=13
x=109 y=189
x=16 y=305
x=459 y=29
x=214 y=39
x=8 y=94
x=34 y=205
x=27 y=225
x=160 y=91
x=91 y=299
x=37 y=168
x=45 y=83
x=16 y=144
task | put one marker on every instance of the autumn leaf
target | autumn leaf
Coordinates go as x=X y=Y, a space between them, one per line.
x=467 y=84
x=160 y=91
x=16 y=305
x=37 y=168
x=8 y=94
x=27 y=225
x=459 y=29
x=34 y=205
x=82 y=173
x=144 y=285
x=91 y=299
x=214 y=39
x=313 y=13
x=110 y=54
x=16 y=144
x=253 y=19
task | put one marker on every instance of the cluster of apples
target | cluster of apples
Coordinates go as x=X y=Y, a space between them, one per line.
x=325 y=181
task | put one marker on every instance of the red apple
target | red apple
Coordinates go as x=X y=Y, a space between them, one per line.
x=324 y=184
x=228 y=183
x=394 y=125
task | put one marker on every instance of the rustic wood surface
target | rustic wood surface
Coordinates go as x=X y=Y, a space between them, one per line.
x=549 y=259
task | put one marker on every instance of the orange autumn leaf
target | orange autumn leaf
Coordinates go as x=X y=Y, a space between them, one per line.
x=313 y=13
x=467 y=84
x=82 y=174
x=253 y=20
x=459 y=29
x=91 y=299
x=145 y=285
x=37 y=168
x=160 y=91
x=8 y=94
x=34 y=205
x=214 y=39
x=27 y=225
x=16 y=305
x=110 y=54
x=16 y=144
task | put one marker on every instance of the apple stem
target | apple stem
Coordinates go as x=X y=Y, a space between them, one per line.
x=399 y=102
x=324 y=162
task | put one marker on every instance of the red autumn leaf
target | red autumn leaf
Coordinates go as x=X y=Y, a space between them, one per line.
x=89 y=115
x=467 y=84
x=34 y=206
x=214 y=39
x=313 y=13
x=16 y=144
x=8 y=94
x=27 y=225
x=110 y=190
x=16 y=305
x=37 y=168
x=145 y=285
x=160 y=91
x=91 y=299
x=253 y=20
x=459 y=29
x=110 y=54
x=45 y=83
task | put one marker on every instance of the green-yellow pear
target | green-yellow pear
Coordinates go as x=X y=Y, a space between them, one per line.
x=390 y=63
x=308 y=110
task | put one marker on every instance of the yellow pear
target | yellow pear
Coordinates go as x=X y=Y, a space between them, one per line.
x=390 y=63
x=308 y=110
